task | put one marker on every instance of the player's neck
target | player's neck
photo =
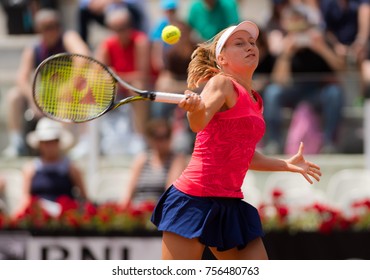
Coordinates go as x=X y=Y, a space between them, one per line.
x=242 y=78
x=243 y=81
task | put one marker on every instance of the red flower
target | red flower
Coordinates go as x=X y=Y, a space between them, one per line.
x=361 y=203
x=90 y=209
x=67 y=203
x=345 y=224
x=320 y=207
x=367 y=203
x=282 y=211
x=2 y=220
x=327 y=226
x=72 y=220
x=135 y=212
x=147 y=206
x=104 y=217
x=277 y=193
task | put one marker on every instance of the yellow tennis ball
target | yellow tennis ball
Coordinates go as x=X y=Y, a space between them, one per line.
x=171 y=34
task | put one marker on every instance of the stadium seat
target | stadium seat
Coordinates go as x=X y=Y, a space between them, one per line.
x=111 y=183
x=341 y=182
x=296 y=192
x=348 y=186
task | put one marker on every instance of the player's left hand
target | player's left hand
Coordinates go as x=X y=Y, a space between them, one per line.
x=299 y=164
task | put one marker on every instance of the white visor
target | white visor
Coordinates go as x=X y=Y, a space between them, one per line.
x=245 y=25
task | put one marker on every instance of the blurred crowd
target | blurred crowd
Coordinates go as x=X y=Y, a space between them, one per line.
x=306 y=47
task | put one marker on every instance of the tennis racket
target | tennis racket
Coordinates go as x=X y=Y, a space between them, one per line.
x=77 y=88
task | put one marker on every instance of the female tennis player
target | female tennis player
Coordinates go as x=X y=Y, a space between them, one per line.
x=204 y=206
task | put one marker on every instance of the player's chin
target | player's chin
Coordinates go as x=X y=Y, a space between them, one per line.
x=253 y=64
x=250 y=60
x=250 y=66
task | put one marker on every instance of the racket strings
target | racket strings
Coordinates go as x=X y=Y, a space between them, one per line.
x=73 y=88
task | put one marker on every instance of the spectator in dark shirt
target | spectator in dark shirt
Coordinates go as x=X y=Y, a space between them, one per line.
x=349 y=22
x=51 y=175
x=304 y=71
x=348 y=27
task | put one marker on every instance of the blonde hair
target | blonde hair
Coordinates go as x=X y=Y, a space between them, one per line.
x=203 y=65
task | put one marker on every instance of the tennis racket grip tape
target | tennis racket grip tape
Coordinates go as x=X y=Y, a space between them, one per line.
x=168 y=97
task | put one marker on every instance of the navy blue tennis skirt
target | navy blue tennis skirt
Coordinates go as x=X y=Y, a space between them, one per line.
x=223 y=223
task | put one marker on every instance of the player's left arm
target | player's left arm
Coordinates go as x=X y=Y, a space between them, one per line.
x=296 y=163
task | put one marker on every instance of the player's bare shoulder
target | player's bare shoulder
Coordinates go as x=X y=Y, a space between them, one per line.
x=221 y=83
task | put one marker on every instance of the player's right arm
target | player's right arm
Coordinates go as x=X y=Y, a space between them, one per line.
x=218 y=94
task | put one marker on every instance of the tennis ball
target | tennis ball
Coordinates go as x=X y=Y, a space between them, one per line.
x=171 y=34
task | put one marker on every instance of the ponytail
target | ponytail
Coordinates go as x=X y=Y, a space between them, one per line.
x=203 y=65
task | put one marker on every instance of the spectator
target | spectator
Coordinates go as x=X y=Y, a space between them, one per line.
x=52 y=40
x=348 y=26
x=304 y=71
x=127 y=53
x=95 y=10
x=349 y=22
x=20 y=14
x=208 y=17
x=51 y=175
x=155 y=169
x=273 y=29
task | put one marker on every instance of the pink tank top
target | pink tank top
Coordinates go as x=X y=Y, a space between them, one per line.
x=224 y=149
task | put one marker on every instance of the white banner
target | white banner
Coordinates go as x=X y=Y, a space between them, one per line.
x=187 y=270
x=93 y=248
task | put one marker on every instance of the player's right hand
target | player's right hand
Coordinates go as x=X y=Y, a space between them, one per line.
x=192 y=102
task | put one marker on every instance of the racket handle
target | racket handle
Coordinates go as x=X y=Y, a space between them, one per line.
x=166 y=97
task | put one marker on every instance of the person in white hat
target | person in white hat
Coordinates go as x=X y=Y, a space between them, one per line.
x=204 y=207
x=51 y=175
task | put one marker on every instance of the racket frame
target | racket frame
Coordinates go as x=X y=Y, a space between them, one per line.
x=155 y=96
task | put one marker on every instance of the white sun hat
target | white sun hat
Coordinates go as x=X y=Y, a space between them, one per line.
x=247 y=25
x=49 y=130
